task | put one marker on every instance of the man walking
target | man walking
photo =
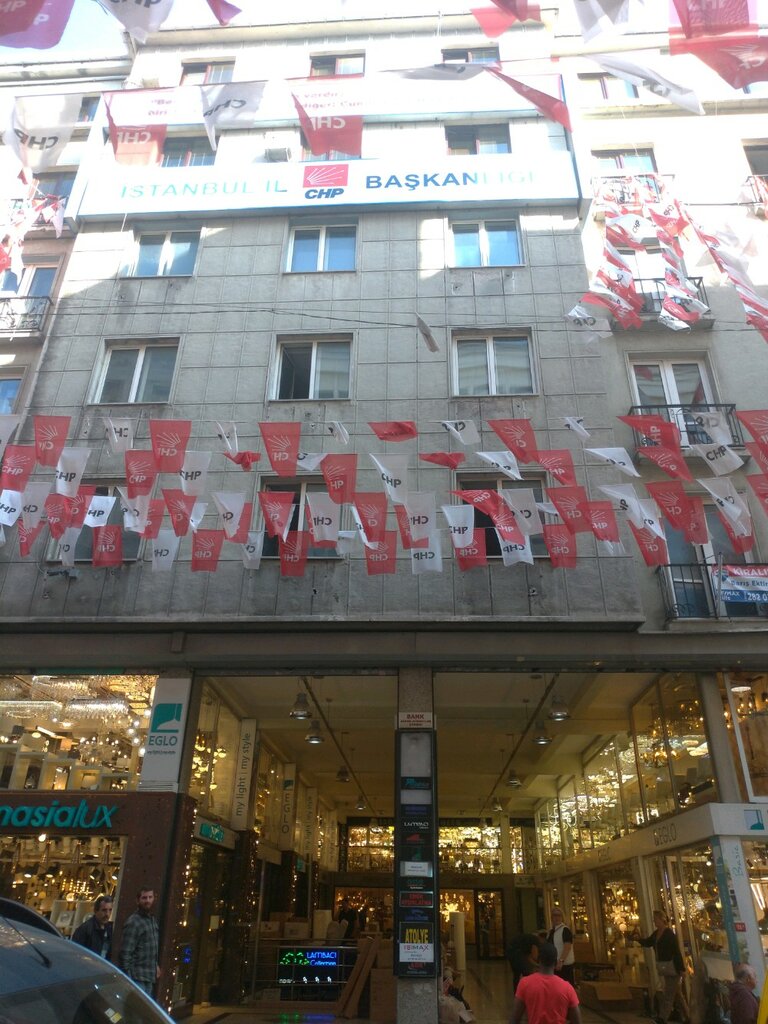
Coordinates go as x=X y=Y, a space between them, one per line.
x=544 y=998
x=561 y=937
x=140 y=946
x=96 y=932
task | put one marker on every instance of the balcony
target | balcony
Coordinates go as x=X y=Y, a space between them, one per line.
x=691 y=421
x=755 y=191
x=632 y=191
x=24 y=315
x=688 y=593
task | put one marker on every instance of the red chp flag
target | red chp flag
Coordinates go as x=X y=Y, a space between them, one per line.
x=78 y=506
x=340 y=475
x=561 y=545
x=57 y=511
x=602 y=520
x=138 y=124
x=652 y=547
x=328 y=123
x=550 y=106
x=756 y=422
x=712 y=17
x=18 y=15
x=282 y=443
x=404 y=526
x=154 y=519
x=571 y=504
x=140 y=472
x=672 y=500
x=50 y=438
x=277 y=509
x=759 y=454
x=451 y=460
x=559 y=463
x=655 y=429
x=382 y=560
x=695 y=529
x=741 y=542
x=473 y=555
x=371 y=509
x=493 y=21
x=169 y=443
x=18 y=463
x=293 y=553
x=44 y=30
x=179 y=507
x=740 y=58
x=107 y=546
x=759 y=485
x=28 y=537
x=394 y=430
x=206 y=549
x=223 y=12
x=518 y=437
x=670 y=460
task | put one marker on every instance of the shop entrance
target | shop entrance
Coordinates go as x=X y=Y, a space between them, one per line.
x=200 y=949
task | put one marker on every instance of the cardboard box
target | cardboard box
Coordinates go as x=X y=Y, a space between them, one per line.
x=383 y=998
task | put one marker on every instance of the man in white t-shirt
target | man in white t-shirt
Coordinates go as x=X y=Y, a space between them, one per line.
x=561 y=937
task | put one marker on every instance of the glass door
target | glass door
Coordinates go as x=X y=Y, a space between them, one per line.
x=673 y=390
x=490 y=924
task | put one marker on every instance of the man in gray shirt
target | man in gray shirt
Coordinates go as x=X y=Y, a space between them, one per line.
x=140 y=946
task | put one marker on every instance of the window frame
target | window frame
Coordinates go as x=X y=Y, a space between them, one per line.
x=666 y=366
x=756 y=147
x=8 y=373
x=336 y=58
x=497 y=481
x=128 y=270
x=489 y=337
x=208 y=69
x=27 y=277
x=469 y=51
x=88 y=107
x=192 y=142
x=604 y=80
x=55 y=177
x=143 y=345
x=321 y=247
x=105 y=489
x=619 y=154
x=475 y=130
x=482 y=224
x=301 y=485
x=284 y=341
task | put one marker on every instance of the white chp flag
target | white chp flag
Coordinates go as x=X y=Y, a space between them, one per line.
x=360 y=527
x=576 y=424
x=252 y=549
x=626 y=495
x=650 y=78
x=672 y=322
x=347 y=542
x=309 y=461
x=618 y=457
x=719 y=457
x=135 y=511
x=338 y=431
x=649 y=517
x=393 y=471
x=227 y=434
x=428 y=559
x=165 y=547
x=422 y=515
x=10 y=507
x=513 y=553
x=67 y=545
x=99 y=509
x=229 y=505
x=730 y=503
x=324 y=515
x=40 y=128
x=593 y=327
x=610 y=548
x=196 y=517
x=119 y=434
x=7 y=426
x=231 y=105
x=426 y=334
x=461 y=523
x=598 y=16
x=194 y=473
x=547 y=508
x=464 y=431
x=69 y=471
x=33 y=502
x=714 y=423
x=522 y=501
x=139 y=18
x=504 y=461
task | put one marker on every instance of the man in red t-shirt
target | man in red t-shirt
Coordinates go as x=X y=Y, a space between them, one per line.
x=545 y=998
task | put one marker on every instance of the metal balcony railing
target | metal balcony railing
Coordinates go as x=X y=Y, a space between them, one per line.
x=629 y=190
x=756 y=191
x=691 y=420
x=653 y=290
x=26 y=315
x=688 y=593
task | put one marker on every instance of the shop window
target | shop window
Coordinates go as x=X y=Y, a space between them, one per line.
x=318 y=368
x=192 y=151
x=617 y=892
x=330 y=247
x=300 y=489
x=624 y=161
x=473 y=55
x=164 y=254
x=484 y=521
x=493 y=364
x=88 y=108
x=213 y=763
x=207 y=74
x=746 y=706
x=137 y=372
x=336 y=64
x=653 y=755
x=370 y=846
x=9 y=393
x=600 y=87
x=548 y=833
x=692 y=770
x=486 y=243
x=604 y=792
x=477 y=140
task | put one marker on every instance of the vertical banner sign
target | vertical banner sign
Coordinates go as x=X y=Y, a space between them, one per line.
x=287 y=808
x=736 y=899
x=308 y=845
x=417 y=931
x=165 y=739
x=241 y=791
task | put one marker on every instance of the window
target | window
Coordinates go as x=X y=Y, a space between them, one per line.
x=476 y=55
x=316 y=369
x=328 y=66
x=88 y=108
x=84 y=545
x=486 y=243
x=629 y=161
x=498 y=364
x=757 y=158
x=673 y=389
x=9 y=392
x=476 y=140
x=169 y=254
x=138 y=372
x=322 y=248
x=36 y=282
x=58 y=184
x=207 y=74
x=484 y=521
x=600 y=87
x=182 y=151
x=298 y=520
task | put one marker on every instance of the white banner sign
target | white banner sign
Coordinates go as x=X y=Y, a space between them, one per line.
x=241 y=792
x=165 y=739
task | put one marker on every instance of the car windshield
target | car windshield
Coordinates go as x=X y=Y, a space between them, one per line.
x=97 y=999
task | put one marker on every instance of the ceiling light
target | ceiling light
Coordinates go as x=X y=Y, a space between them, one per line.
x=541 y=738
x=300 y=709
x=741 y=687
x=361 y=804
x=558 y=710
x=314 y=735
x=342 y=775
x=514 y=780
x=496 y=805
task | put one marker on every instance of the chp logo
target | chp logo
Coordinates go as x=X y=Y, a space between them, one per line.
x=325 y=181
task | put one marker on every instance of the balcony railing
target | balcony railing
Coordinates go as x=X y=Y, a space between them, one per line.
x=688 y=593
x=653 y=291
x=24 y=315
x=632 y=191
x=756 y=191
x=691 y=420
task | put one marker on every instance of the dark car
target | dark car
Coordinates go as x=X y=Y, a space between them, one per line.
x=46 y=979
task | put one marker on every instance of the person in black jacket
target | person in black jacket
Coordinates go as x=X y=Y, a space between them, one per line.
x=96 y=932
x=670 y=967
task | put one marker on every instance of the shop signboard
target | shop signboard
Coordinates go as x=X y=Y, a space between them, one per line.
x=287 y=808
x=741 y=584
x=75 y=815
x=213 y=832
x=246 y=748
x=165 y=739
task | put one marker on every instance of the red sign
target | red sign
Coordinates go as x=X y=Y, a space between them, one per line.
x=323 y=175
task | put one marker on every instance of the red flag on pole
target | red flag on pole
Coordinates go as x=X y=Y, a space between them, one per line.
x=282 y=443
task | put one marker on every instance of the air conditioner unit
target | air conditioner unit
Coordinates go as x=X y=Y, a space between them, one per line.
x=277 y=154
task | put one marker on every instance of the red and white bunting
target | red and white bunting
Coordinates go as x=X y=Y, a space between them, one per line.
x=393 y=473
x=697 y=18
x=571 y=504
x=340 y=475
x=650 y=78
x=28 y=536
x=79 y=505
x=760 y=455
x=695 y=529
x=626 y=496
x=194 y=472
x=243 y=527
x=107 y=547
x=70 y=469
x=18 y=16
x=206 y=550
x=504 y=461
x=370 y=509
x=277 y=509
x=135 y=511
x=282 y=443
x=759 y=484
x=513 y=552
x=561 y=545
x=590 y=327
x=139 y=19
x=323 y=518
x=169 y=443
x=98 y=510
x=619 y=308
x=618 y=457
x=464 y=431
x=394 y=430
x=522 y=501
x=741 y=542
x=338 y=431
x=719 y=457
x=8 y=424
x=730 y=503
x=740 y=58
x=164 y=549
x=599 y=16
x=558 y=462
x=140 y=472
x=505 y=521
x=756 y=422
x=422 y=515
x=68 y=546
x=652 y=547
x=223 y=11
x=138 y=124
x=227 y=434
x=518 y=436
x=450 y=460
x=50 y=437
x=293 y=553
x=461 y=524
x=654 y=430
x=404 y=526
x=252 y=549
x=243 y=459
x=602 y=520
x=429 y=558
x=672 y=500
x=472 y=555
x=382 y=560
x=46 y=29
x=180 y=507
x=493 y=21
x=33 y=501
